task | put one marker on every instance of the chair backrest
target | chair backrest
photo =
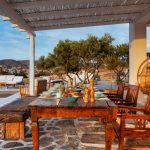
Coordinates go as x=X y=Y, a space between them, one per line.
x=147 y=106
x=132 y=94
x=120 y=90
x=24 y=90
x=40 y=86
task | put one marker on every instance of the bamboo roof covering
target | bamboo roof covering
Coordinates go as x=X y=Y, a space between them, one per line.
x=33 y=15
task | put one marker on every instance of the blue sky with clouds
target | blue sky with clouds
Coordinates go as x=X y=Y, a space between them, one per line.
x=15 y=45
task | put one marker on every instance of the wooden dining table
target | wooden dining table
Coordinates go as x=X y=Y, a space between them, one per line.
x=102 y=108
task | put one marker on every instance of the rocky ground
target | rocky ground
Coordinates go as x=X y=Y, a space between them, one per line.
x=64 y=134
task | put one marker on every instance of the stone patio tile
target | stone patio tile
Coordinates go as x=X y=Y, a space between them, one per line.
x=66 y=134
x=93 y=138
x=51 y=147
x=92 y=129
x=12 y=144
x=23 y=148
x=52 y=128
x=65 y=123
x=45 y=141
x=69 y=147
x=71 y=131
x=92 y=148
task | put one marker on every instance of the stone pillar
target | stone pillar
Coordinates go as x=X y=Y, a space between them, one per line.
x=31 y=69
x=137 y=49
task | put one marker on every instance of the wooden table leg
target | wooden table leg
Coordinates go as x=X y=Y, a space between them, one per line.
x=108 y=136
x=35 y=135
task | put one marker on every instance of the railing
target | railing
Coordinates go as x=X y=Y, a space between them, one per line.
x=24 y=90
x=40 y=86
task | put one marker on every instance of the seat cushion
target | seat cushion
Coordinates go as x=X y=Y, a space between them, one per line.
x=17 y=79
x=2 y=78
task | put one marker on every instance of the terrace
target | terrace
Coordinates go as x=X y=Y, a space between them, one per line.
x=31 y=16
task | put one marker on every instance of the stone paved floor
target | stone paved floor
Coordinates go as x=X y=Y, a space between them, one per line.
x=63 y=134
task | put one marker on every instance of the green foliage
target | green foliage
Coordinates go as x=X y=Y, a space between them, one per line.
x=49 y=61
x=65 y=55
x=86 y=55
x=59 y=71
x=42 y=73
x=41 y=63
x=118 y=61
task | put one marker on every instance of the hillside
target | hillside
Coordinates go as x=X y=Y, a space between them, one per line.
x=14 y=63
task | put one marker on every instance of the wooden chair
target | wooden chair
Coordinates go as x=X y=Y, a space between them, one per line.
x=131 y=97
x=139 y=127
x=111 y=94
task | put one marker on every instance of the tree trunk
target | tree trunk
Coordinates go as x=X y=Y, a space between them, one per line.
x=69 y=77
x=78 y=77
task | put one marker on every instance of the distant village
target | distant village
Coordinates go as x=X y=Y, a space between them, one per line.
x=14 y=70
x=13 y=67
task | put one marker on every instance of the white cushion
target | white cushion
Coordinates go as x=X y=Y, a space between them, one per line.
x=2 y=78
x=18 y=79
x=11 y=82
x=9 y=77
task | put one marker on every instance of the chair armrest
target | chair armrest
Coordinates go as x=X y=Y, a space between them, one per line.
x=131 y=108
x=117 y=99
x=109 y=91
x=136 y=116
x=113 y=96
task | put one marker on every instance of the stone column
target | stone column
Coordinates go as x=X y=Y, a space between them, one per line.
x=137 y=49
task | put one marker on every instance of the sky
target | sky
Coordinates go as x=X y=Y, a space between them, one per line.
x=15 y=45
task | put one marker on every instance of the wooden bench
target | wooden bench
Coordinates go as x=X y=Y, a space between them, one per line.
x=13 y=116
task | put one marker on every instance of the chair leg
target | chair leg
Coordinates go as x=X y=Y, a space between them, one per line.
x=102 y=121
x=109 y=135
x=121 y=143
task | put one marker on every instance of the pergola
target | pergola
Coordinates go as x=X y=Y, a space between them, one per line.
x=35 y=15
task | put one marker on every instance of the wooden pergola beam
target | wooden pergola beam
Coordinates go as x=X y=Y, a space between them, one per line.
x=59 y=3
x=15 y=18
x=76 y=25
x=76 y=3
x=144 y=17
x=82 y=12
x=65 y=12
x=107 y=18
x=83 y=19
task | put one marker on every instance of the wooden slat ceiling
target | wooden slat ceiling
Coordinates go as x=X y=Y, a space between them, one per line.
x=58 y=14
